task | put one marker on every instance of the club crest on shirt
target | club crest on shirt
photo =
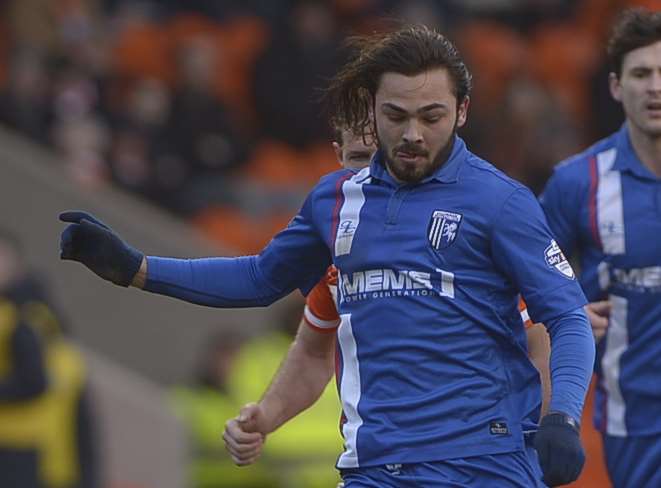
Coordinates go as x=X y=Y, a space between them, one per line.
x=443 y=228
x=556 y=259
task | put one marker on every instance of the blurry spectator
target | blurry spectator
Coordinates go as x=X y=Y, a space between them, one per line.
x=177 y=146
x=200 y=127
x=22 y=378
x=165 y=99
x=427 y=12
x=204 y=406
x=537 y=133
x=68 y=450
x=53 y=426
x=522 y=15
x=52 y=26
x=141 y=140
x=25 y=103
x=303 y=54
x=79 y=132
x=33 y=25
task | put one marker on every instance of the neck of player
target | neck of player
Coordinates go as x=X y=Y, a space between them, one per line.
x=647 y=148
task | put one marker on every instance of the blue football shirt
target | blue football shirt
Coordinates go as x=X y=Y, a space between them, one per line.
x=433 y=359
x=604 y=206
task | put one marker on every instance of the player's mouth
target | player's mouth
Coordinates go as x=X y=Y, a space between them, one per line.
x=408 y=157
x=654 y=109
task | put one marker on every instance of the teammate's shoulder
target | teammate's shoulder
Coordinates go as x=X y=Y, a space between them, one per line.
x=330 y=181
x=340 y=173
x=578 y=164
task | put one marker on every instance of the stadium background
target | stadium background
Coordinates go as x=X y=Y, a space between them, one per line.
x=194 y=128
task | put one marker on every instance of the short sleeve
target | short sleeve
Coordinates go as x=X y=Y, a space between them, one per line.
x=320 y=309
x=525 y=317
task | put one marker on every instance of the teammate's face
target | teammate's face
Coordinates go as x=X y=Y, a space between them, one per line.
x=354 y=152
x=639 y=89
x=416 y=119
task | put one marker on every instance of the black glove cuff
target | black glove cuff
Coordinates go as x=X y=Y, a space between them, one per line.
x=559 y=418
x=133 y=260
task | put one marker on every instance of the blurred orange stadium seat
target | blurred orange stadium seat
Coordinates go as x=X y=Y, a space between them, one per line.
x=564 y=57
x=650 y=4
x=319 y=159
x=227 y=226
x=595 y=17
x=237 y=230
x=239 y=41
x=142 y=50
x=495 y=61
x=275 y=164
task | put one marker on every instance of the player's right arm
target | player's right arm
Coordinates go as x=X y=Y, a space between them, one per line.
x=295 y=258
x=300 y=381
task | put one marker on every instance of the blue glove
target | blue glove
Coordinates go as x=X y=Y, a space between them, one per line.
x=91 y=242
x=558 y=445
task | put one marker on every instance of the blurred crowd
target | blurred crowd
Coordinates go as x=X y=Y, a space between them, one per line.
x=47 y=422
x=211 y=109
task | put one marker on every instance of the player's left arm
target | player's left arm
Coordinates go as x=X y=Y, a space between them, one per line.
x=298 y=384
x=527 y=253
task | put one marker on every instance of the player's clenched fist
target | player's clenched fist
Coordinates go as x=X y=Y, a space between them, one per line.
x=598 y=313
x=244 y=435
x=558 y=445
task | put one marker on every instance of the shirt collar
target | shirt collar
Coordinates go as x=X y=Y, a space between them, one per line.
x=447 y=173
x=626 y=158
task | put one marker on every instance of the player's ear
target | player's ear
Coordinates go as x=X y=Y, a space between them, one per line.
x=615 y=86
x=338 y=152
x=462 y=111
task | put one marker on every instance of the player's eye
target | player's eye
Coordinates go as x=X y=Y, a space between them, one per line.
x=395 y=117
x=432 y=120
x=640 y=73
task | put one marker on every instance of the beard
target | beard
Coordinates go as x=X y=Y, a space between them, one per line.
x=411 y=172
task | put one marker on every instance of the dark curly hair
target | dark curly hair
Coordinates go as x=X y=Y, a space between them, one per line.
x=410 y=50
x=635 y=28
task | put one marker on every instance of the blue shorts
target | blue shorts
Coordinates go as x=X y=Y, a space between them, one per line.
x=517 y=469
x=633 y=462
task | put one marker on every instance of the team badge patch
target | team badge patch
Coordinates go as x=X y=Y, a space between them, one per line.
x=556 y=259
x=443 y=228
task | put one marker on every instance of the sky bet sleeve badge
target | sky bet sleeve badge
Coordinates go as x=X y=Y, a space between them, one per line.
x=443 y=228
x=556 y=259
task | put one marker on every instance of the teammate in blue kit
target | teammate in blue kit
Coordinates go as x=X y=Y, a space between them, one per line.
x=432 y=246
x=604 y=205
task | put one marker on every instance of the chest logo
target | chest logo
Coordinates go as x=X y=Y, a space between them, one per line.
x=443 y=228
